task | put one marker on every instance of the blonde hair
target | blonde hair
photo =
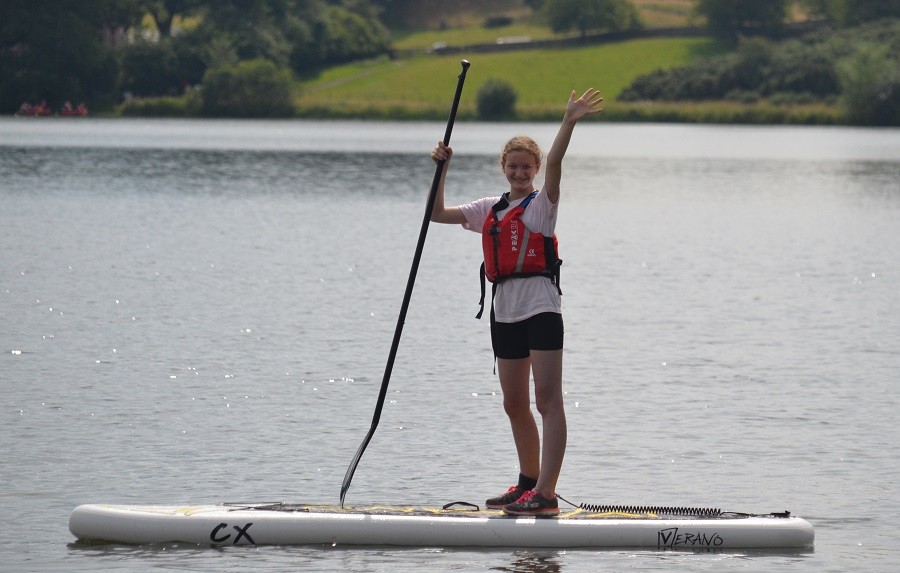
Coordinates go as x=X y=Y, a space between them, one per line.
x=521 y=143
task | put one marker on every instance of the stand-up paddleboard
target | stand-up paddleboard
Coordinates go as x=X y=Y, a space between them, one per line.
x=292 y=524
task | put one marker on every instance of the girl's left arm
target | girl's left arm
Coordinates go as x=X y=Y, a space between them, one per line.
x=587 y=104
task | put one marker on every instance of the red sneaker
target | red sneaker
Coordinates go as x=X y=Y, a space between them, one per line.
x=511 y=495
x=534 y=504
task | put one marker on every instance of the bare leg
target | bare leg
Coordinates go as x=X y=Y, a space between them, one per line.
x=547 y=365
x=515 y=381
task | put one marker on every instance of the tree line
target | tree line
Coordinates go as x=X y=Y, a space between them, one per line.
x=856 y=67
x=251 y=50
x=97 y=50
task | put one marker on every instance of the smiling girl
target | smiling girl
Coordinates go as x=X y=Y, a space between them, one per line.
x=526 y=314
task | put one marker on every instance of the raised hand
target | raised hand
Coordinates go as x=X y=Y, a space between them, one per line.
x=588 y=104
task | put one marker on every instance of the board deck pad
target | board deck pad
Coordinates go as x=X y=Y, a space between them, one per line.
x=453 y=525
x=469 y=510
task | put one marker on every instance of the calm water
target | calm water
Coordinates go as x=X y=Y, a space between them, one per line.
x=201 y=311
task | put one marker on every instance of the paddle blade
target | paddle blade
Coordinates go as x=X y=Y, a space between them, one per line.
x=345 y=485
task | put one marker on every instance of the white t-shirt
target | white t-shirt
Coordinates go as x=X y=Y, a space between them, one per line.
x=520 y=298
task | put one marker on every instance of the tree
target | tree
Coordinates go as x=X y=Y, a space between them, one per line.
x=729 y=19
x=852 y=12
x=352 y=36
x=59 y=50
x=301 y=34
x=253 y=27
x=870 y=87
x=859 y=11
x=496 y=100
x=164 y=12
x=56 y=51
x=589 y=15
x=148 y=68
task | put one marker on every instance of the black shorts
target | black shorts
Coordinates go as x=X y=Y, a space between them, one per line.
x=514 y=340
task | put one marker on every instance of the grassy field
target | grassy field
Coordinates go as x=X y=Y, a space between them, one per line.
x=421 y=87
x=463 y=26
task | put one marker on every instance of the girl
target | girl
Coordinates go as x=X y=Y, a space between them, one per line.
x=526 y=321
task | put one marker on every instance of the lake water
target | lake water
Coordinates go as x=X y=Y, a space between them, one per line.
x=201 y=311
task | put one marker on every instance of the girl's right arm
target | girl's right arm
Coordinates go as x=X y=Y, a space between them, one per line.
x=440 y=213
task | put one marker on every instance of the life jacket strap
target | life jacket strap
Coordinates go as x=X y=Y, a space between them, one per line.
x=481 y=301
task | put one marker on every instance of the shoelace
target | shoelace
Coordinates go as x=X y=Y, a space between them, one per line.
x=527 y=496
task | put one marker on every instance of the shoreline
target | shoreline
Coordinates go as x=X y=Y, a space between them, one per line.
x=705 y=112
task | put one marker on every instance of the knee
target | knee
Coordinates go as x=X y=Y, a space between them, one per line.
x=516 y=407
x=549 y=403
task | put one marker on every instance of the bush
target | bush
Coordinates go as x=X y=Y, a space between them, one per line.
x=870 y=87
x=497 y=21
x=754 y=63
x=809 y=72
x=496 y=100
x=252 y=88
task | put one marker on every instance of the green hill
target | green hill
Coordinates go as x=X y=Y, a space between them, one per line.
x=420 y=87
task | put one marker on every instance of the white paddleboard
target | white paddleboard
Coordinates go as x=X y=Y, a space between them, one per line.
x=294 y=524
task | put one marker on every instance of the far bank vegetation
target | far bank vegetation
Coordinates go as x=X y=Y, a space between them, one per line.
x=794 y=61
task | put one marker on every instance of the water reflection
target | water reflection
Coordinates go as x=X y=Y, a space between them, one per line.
x=532 y=562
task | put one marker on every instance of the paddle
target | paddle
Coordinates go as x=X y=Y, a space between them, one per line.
x=409 y=287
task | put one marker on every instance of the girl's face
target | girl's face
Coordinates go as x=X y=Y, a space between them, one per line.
x=520 y=169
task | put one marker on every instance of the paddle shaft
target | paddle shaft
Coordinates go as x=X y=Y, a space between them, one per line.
x=409 y=288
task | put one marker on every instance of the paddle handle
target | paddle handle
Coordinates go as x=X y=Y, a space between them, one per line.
x=461 y=79
x=409 y=288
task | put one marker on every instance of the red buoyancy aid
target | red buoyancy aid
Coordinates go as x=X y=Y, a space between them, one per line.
x=511 y=250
